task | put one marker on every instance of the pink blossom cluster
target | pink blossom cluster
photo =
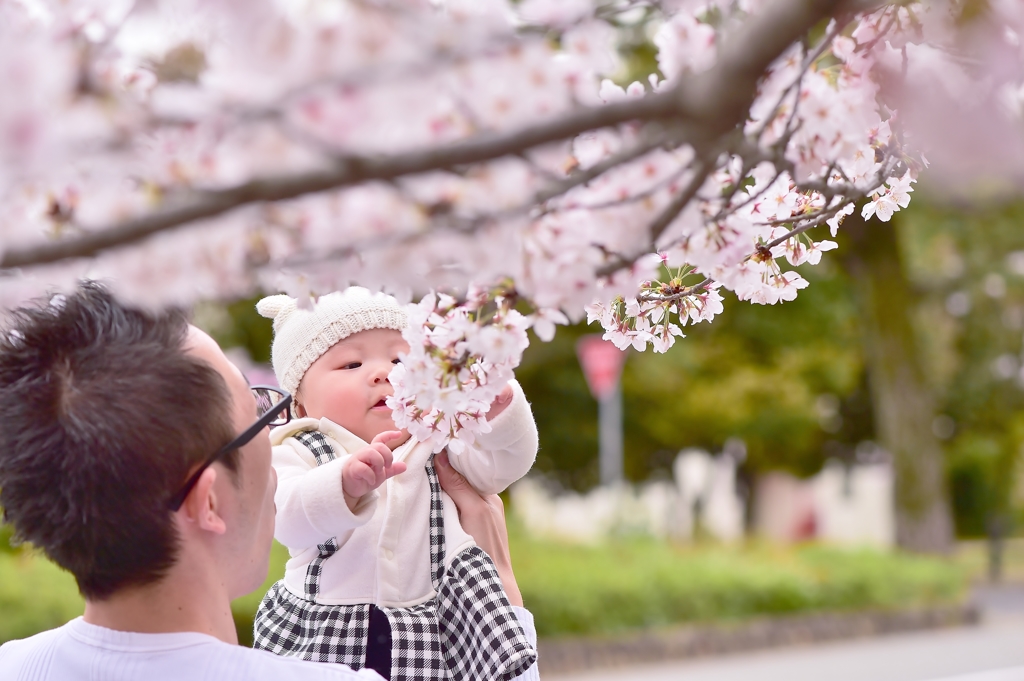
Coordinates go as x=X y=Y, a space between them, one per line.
x=461 y=356
x=647 y=318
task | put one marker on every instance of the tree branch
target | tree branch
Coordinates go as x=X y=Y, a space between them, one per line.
x=713 y=102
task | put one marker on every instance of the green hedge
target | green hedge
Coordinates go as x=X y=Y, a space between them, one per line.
x=621 y=585
x=627 y=585
x=244 y=608
x=35 y=595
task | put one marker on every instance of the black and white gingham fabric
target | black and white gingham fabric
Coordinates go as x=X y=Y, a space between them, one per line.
x=295 y=627
x=480 y=634
x=316 y=442
x=416 y=643
x=436 y=527
x=316 y=567
x=468 y=632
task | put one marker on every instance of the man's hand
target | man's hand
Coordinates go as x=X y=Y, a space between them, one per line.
x=367 y=469
x=483 y=517
x=500 y=402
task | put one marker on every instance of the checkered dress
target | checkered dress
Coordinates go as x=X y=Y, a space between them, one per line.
x=468 y=631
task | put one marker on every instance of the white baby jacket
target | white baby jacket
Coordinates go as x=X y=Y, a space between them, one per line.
x=384 y=554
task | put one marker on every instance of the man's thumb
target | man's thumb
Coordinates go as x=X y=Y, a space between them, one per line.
x=451 y=480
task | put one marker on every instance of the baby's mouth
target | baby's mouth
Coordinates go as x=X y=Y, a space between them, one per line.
x=381 y=403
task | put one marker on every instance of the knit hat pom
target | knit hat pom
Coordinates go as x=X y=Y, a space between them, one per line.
x=278 y=308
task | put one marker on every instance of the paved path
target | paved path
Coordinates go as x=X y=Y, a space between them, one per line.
x=996 y=647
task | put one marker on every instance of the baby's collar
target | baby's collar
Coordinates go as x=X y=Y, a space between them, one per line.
x=349 y=442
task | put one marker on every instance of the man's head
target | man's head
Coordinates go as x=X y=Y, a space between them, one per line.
x=336 y=356
x=228 y=520
x=104 y=412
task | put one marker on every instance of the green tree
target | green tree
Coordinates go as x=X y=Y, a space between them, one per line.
x=904 y=403
x=968 y=265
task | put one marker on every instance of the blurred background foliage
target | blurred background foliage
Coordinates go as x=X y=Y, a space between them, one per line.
x=967 y=266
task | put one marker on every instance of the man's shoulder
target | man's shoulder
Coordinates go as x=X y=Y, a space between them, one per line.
x=15 y=654
x=55 y=655
x=43 y=638
x=266 y=665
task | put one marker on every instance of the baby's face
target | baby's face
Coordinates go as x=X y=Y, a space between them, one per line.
x=349 y=382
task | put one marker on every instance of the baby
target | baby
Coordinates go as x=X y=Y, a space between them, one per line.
x=381 y=575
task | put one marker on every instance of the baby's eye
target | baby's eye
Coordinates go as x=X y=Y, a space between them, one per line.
x=352 y=365
x=396 y=361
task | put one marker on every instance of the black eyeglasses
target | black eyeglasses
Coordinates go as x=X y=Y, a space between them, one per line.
x=272 y=407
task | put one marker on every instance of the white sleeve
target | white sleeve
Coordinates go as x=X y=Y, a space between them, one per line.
x=526 y=621
x=502 y=456
x=311 y=506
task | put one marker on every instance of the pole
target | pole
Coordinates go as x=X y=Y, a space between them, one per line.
x=602 y=367
x=610 y=433
x=996 y=533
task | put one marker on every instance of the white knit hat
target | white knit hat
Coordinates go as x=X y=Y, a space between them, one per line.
x=302 y=336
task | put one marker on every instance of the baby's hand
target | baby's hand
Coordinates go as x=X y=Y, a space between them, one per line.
x=367 y=469
x=503 y=399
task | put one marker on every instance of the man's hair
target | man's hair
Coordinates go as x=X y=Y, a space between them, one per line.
x=102 y=417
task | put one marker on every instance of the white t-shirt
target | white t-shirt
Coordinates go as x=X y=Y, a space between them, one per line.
x=82 y=651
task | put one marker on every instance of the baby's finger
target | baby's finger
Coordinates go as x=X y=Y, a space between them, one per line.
x=384 y=452
x=395 y=469
x=386 y=437
x=376 y=465
x=362 y=478
x=371 y=456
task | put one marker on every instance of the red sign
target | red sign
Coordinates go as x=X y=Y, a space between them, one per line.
x=602 y=364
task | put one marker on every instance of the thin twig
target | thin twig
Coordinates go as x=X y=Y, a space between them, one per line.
x=648 y=142
x=681 y=200
x=696 y=289
x=663 y=220
x=632 y=198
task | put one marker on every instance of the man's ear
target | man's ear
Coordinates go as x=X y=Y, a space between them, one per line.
x=203 y=506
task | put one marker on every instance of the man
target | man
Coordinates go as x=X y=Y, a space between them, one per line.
x=133 y=453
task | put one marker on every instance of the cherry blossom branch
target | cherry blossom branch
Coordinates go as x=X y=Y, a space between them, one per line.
x=649 y=142
x=344 y=172
x=470 y=225
x=809 y=61
x=663 y=220
x=712 y=103
x=633 y=198
x=680 y=202
x=697 y=288
x=820 y=218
